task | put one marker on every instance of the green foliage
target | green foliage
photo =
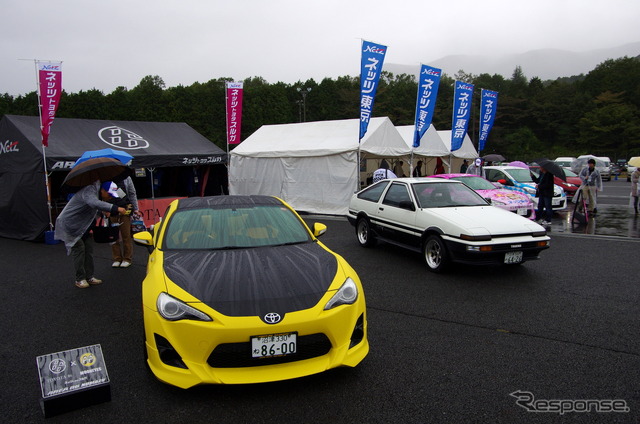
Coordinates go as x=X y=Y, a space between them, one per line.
x=595 y=113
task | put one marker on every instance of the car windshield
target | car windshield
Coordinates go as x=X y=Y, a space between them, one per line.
x=233 y=228
x=521 y=175
x=569 y=173
x=475 y=183
x=446 y=194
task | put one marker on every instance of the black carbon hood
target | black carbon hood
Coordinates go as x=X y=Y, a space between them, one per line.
x=256 y=281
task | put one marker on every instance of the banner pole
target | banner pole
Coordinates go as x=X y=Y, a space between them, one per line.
x=358 y=167
x=44 y=154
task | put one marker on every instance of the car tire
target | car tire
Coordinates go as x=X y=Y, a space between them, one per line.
x=435 y=254
x=363 y=232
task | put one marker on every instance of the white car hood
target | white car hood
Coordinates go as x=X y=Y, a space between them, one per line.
x=494 y=220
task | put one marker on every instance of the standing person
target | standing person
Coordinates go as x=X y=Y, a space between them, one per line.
x=591 y=184
x=475 y=168
x=383 y=172
x=417 y=171
x=122 y=249
x=398 y=170
x=439 y=167
x=464 y=166
x=635 y=177
x=73 y=225
x=544 y=193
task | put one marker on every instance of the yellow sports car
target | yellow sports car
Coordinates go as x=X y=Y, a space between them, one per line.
x=239 y=290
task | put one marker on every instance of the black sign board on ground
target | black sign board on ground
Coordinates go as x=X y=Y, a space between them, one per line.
x=73 y=379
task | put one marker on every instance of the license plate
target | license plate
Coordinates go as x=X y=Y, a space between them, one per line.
x=555 y=202
x=513 y=257
x=522 y=211
x=271 y=345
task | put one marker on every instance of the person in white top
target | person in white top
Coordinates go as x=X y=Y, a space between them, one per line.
x=383 y=172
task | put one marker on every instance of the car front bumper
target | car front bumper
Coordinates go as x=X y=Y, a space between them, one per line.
x=461 y=253
x=188 y=353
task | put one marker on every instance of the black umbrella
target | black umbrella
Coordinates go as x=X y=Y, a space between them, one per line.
x=493 y=157
x=94 y=169
x=552 y=167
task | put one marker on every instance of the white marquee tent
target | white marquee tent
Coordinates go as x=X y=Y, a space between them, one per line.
x=436 y=144
x=466 y=151
x=311 y=165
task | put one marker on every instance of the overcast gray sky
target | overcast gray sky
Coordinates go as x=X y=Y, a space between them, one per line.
x=115 y=43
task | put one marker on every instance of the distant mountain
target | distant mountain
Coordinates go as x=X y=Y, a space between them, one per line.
x=546 y=64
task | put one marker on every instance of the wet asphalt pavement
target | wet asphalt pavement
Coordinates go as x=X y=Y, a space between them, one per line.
x=447 y=348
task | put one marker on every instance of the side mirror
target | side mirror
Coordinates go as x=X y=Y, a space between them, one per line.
x=144 y=238
x=503 y=181
x=408 y=205
x=319 y=229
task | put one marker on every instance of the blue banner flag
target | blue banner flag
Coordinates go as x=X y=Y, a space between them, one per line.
x=461 y=113
x=488 y=107
x=370 y=70
x=426 y=103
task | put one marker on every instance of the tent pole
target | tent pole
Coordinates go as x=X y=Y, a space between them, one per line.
x=153 y=195
x=411 y=164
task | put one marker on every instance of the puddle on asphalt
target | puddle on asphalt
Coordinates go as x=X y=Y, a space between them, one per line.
x=611 y=220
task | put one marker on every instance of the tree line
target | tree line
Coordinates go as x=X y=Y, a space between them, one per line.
x=596 y=113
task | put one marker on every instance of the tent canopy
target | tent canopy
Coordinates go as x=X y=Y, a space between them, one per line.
x=23 y=196
x=152 y=144
x=310 y=165
x=323 y=138
x=431 y=145
x=466 y=151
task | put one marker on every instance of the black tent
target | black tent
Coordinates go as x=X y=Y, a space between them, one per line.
x=23 y=196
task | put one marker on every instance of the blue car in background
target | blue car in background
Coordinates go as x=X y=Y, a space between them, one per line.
x=519 y=179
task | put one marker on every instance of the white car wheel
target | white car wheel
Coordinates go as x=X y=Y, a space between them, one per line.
x=435 y=253
x=364 y=234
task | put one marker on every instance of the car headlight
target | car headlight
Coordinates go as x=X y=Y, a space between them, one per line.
x=346 y=295
x=173 y=309
x=530 y=190
x=495 y=202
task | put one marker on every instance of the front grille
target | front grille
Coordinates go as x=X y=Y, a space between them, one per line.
x=238 y=355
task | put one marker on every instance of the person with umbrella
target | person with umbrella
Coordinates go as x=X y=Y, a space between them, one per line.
x=74 y=222
x=544 y=193
x=591 y=184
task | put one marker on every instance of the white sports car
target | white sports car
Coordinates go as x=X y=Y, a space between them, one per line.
x=446 y=221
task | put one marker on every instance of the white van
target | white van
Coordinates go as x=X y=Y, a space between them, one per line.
x=606 y=173
x=565 y=161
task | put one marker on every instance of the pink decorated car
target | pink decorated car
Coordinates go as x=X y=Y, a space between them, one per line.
x=510 y=200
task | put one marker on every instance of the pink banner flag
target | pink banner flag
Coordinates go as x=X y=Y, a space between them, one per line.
x=49 y=91
x=234 y=112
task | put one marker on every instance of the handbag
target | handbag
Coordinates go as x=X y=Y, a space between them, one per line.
x=137 y=226
x=103 y=232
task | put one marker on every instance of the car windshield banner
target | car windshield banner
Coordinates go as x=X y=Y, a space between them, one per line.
x=370 y=70
x=426 y=103
x=49 y=91
x=461 y=112
x=234 y=112
x=488 y=107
